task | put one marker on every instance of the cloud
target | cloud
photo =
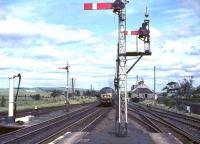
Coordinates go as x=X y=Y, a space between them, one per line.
x=18 y=29
x=193 y=53
x=36 y=46
x=36 y=40
x=155 y=32
x=40 y=63
x=194 y=4
x=172 y=57
x=178 y=11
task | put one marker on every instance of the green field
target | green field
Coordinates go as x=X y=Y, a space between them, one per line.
x=25 y=100
x=49 y=103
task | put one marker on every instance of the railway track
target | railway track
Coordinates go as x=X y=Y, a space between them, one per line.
x=180 y=118
x=50 y=129
x=179 y=125
x=86 y=124
x=192 y=122
x=144 y=120
x=186 y=118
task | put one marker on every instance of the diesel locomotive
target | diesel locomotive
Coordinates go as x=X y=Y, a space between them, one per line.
x=107 y=96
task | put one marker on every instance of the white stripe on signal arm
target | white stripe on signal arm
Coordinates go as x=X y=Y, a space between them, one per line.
x=94 y=6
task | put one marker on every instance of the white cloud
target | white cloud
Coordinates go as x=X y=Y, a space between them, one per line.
x=155 y=32
x=179 y=10
x=92 y=57
x=30 y=63
x=171 y=57
x=36 y=70
x=57 y=33
x=194 y=4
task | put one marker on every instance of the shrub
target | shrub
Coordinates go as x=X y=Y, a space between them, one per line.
x=36 y=97
x=3 y=101
x=170 y=102
x=56 y=93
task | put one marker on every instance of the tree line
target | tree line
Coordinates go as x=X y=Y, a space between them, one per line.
x=182 y=89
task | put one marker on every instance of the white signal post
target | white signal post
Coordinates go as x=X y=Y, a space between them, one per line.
x=11 y=102
x=11 y=98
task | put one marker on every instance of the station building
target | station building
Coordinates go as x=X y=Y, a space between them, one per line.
x=142 y=91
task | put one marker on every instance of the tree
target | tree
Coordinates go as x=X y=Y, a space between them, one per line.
x=36 y=97
x=197 y=90
x=172 y=87
x=55 y=93
x=3 y=101
x=77 y=92
x=87 y=93
x=186 y=87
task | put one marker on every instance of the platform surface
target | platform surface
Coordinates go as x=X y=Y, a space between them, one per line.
x=104 y=133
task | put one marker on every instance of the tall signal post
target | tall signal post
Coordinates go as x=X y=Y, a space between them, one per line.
x=120 y=81
x=119 y=8
x=121 y=120
x=67 y=87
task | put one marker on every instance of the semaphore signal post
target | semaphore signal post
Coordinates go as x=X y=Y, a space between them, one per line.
x=67 y=86
x=120 y=81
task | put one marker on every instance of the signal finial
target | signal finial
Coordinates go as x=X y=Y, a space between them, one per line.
x=146 y=13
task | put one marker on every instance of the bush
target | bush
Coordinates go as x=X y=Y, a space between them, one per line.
x=196 y=96
x=167 y=101
x=3 y=101
x=56 y=93
x=77 y=92
x=36 y=97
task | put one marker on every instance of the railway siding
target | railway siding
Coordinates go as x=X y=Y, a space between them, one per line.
x=186 y=127
x=53 y=124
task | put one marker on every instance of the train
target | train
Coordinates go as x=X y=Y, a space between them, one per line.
x=107 y=96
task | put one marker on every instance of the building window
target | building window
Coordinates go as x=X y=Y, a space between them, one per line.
x=146 y=95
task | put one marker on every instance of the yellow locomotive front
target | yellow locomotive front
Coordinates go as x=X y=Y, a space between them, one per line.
x=106 y=99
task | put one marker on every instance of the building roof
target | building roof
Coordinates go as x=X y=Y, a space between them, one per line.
x=142 y=88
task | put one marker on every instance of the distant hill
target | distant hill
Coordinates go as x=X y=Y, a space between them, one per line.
x=25 y=91
x=43 y=91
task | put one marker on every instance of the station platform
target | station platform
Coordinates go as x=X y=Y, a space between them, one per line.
x=109 y=138
x=104 y=133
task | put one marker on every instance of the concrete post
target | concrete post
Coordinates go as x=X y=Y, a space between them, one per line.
x=11 y=101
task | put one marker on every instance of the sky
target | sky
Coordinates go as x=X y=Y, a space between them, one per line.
x=39 y=36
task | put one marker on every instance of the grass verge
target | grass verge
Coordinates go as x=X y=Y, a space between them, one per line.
x=21 y=105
